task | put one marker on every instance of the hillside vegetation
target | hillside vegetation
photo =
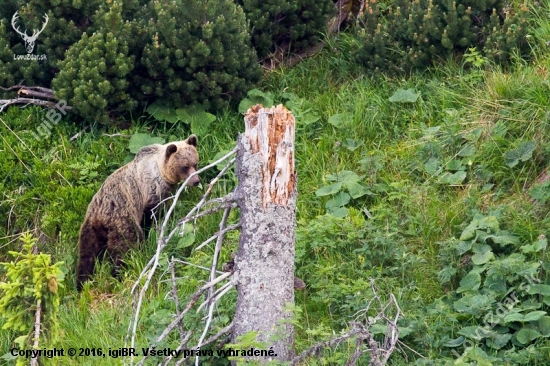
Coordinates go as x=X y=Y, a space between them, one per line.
x=435 y=184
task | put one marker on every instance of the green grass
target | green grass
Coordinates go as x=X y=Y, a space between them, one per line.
x=465 y=119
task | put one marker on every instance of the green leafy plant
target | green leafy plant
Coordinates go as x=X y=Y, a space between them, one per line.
x=30 y=296
x=415 y=34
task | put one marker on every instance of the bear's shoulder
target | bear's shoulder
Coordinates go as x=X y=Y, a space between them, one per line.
x=148 y=151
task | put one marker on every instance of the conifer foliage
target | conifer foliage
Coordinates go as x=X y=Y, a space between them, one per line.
x=412 y=34
x=291 y=24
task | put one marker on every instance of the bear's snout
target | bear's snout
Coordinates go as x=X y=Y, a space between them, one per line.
x=195 y=181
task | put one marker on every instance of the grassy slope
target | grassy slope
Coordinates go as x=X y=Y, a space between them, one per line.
x=405 y=243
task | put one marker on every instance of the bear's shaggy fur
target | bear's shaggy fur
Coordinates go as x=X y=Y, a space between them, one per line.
x=115 y=215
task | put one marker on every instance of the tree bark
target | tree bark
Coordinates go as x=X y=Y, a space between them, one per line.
x=264 y=264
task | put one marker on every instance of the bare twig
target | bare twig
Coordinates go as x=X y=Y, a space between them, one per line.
x=42 y=103
x=192 y=264
x=117 y=135
x=175 y=297
x=34 y=359
x=78 y=134
x=151 y=266
x=192 y=301
x=219 y=234
x=379 y=352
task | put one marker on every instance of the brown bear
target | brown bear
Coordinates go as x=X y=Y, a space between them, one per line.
x=116 y=213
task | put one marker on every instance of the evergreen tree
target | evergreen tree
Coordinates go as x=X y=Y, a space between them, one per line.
x=94 y=75
x=291 y=24
x=414 y=34
x=197 y=51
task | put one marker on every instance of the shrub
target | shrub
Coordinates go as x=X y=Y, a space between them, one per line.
x=197 y=52
x=291 y=25
x=186 y=53
x=94 y=76
x=67 y=20
x=413 y=34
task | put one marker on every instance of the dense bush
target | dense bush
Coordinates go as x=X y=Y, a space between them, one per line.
x=94 y=76
x=183 y=54
x=413 y=34
x=291 y=25
x=198 y=52
x=67 y=21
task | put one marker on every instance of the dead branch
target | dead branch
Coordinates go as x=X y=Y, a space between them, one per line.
x=175 y=297
x=42 y=103
x=192 y=301
x=78 y=134
x=194 y=265
x=152 y=265
x=379 y=352
x=117 y=135
x=34 y=359
x=219 y=234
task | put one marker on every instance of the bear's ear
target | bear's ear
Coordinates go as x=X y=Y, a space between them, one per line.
x=192 y=140
x=170 y=149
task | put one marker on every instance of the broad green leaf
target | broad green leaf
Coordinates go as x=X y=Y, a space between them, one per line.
x=504 y=237
x=328 y=190
x=140 y=140
x=378 y=329
x=200 y=123
x=543 y=326
x=404 y=96
x=162 y=112
x=455 y=342
x=514 y=317
x=432 y=166
x=470 y=282
x=351 y=144
x=339 y=200
x=452 y=178
x=539 y=288
x=454 y=165
x=357 y=190
x=498 y=340
x=245 y=104
x=188 y=237
x=540 y=192
x=524 y=152
x=339 y=212
x=336 y=120
x=525 y=336
x=474 y=332
x=534 y=316
x=345 y=176
x=537 y=246
x=482 y=258
x=467 y=150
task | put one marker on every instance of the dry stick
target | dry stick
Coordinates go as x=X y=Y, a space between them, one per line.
x=191 y=264
x=210 y=340
x=211 y=297
x=192 y=301
x=23 y=142
x=210 y=312
x=175 y=296
x=78 y=134
x=201 y=202
x=219 y=234
x=42 y=103
x=34 y=359
x=214 y=181
x=153 y=263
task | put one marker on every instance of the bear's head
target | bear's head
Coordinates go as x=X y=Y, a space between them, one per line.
x=180 y=161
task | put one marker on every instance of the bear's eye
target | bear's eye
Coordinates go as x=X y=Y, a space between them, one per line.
x=185 y=170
